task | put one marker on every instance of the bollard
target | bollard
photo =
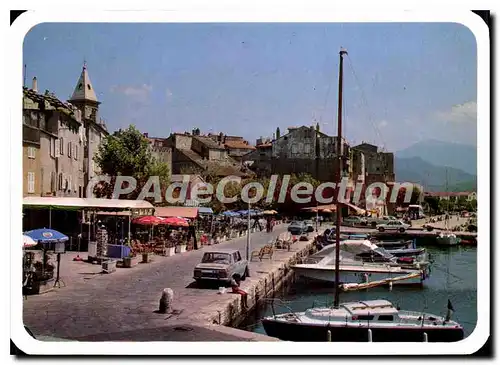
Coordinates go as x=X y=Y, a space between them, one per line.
x=328 y=336
x=370 y=338
x=167 y=297
x=426 y=339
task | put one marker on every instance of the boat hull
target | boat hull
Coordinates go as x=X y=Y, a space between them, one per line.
x=328 y=276
x=447 y=240
x=301 y=332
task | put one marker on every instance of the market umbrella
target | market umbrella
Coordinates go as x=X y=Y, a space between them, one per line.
x=28 y=242
x=46 y=235
x=148 y=220
x=175 y=221
x=326 y=211
x=269 y=212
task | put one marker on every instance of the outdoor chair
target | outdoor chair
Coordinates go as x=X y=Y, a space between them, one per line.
x=267 y=250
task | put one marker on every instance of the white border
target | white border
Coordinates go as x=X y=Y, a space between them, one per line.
x=304 y=14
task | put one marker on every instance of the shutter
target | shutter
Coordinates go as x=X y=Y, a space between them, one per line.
x=61 y=146
x=69 y=149
x=31 y=182
x=57 y=145
x=75 y=155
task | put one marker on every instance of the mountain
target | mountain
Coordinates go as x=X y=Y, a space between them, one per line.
x=432 y=177
x=439 y=153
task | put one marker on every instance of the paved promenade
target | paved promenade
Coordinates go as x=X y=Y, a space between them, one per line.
x=92 y=303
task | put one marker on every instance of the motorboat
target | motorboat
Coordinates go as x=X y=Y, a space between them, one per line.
x=361 y=262
x=447 y=239
x=395 y=244
x=371 y=320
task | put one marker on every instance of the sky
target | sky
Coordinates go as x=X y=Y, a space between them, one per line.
x=403 y=82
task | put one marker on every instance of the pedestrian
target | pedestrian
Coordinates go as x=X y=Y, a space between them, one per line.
x=235 y=286
x=192 y=233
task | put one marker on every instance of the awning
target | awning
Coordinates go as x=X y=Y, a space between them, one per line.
x=205 y=210
x=82 y=203
x=186 y=212
x=355 y=208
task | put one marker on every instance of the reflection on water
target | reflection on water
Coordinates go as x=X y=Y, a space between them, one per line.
x=453 y=276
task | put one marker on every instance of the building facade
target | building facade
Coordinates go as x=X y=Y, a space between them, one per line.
x=57 y=139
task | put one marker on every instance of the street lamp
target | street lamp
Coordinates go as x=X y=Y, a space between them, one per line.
x=248 y=233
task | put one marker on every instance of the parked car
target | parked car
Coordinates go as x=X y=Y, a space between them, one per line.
x=393 y=226
x=297 y=228
x=309 y=226
x=221 y=265
x=353 y=221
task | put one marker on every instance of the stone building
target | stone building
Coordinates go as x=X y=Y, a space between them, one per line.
x=235 y=146
x=161 y=151
x=194 y=153
x=58 y=138
x=51 y=136
x=376 y=165
x=301 y=150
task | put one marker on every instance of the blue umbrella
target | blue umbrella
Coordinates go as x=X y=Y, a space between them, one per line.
x=46 y=235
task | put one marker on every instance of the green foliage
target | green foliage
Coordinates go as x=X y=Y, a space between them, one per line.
x=433 y=203
x=317 y=127
x=127 y=153
x=278 y=133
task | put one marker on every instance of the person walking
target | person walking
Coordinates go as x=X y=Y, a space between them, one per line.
x=192 y=233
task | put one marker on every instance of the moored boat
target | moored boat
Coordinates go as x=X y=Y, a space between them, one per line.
x=358 y=321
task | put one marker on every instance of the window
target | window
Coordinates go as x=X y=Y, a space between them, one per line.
x=52 y=147
x=294 y=149
x=235 y=257
x=31 y=152
x=386 y=317
x=365 y=317
x=307 y=148
x=69 y=149
x=60 y=182
x=52 y=181
x=31 y=182
x=75 y=154
x=61 y=146
x=68 y=185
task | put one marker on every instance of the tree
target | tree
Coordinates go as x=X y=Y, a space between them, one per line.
x=127 y=153
x=278 y=133
x=433 y=203
x=317 y=127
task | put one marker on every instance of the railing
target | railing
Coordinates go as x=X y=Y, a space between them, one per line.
x=282 y=304
x=425 y=337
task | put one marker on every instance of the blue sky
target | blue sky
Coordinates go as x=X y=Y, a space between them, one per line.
x=402 y=82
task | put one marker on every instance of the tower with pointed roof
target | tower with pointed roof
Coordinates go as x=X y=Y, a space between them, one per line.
x=84 y=98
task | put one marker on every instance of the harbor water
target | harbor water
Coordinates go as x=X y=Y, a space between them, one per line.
x=453 y=276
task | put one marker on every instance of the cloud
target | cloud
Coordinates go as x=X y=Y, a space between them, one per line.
x=460 y=113
x=383 y=124
x=140 y=93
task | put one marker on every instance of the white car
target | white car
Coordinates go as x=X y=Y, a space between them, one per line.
x=221 y=265
x=397 y=226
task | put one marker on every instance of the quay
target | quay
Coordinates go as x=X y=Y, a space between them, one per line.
x=416 y=231
x=125 y=302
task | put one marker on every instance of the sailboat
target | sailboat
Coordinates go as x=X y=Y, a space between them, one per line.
x=370 y=320
x=446 y=237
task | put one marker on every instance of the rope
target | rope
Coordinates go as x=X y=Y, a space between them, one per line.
x=365 y=101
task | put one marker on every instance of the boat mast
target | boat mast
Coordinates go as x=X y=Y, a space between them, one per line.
x=339 y=174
